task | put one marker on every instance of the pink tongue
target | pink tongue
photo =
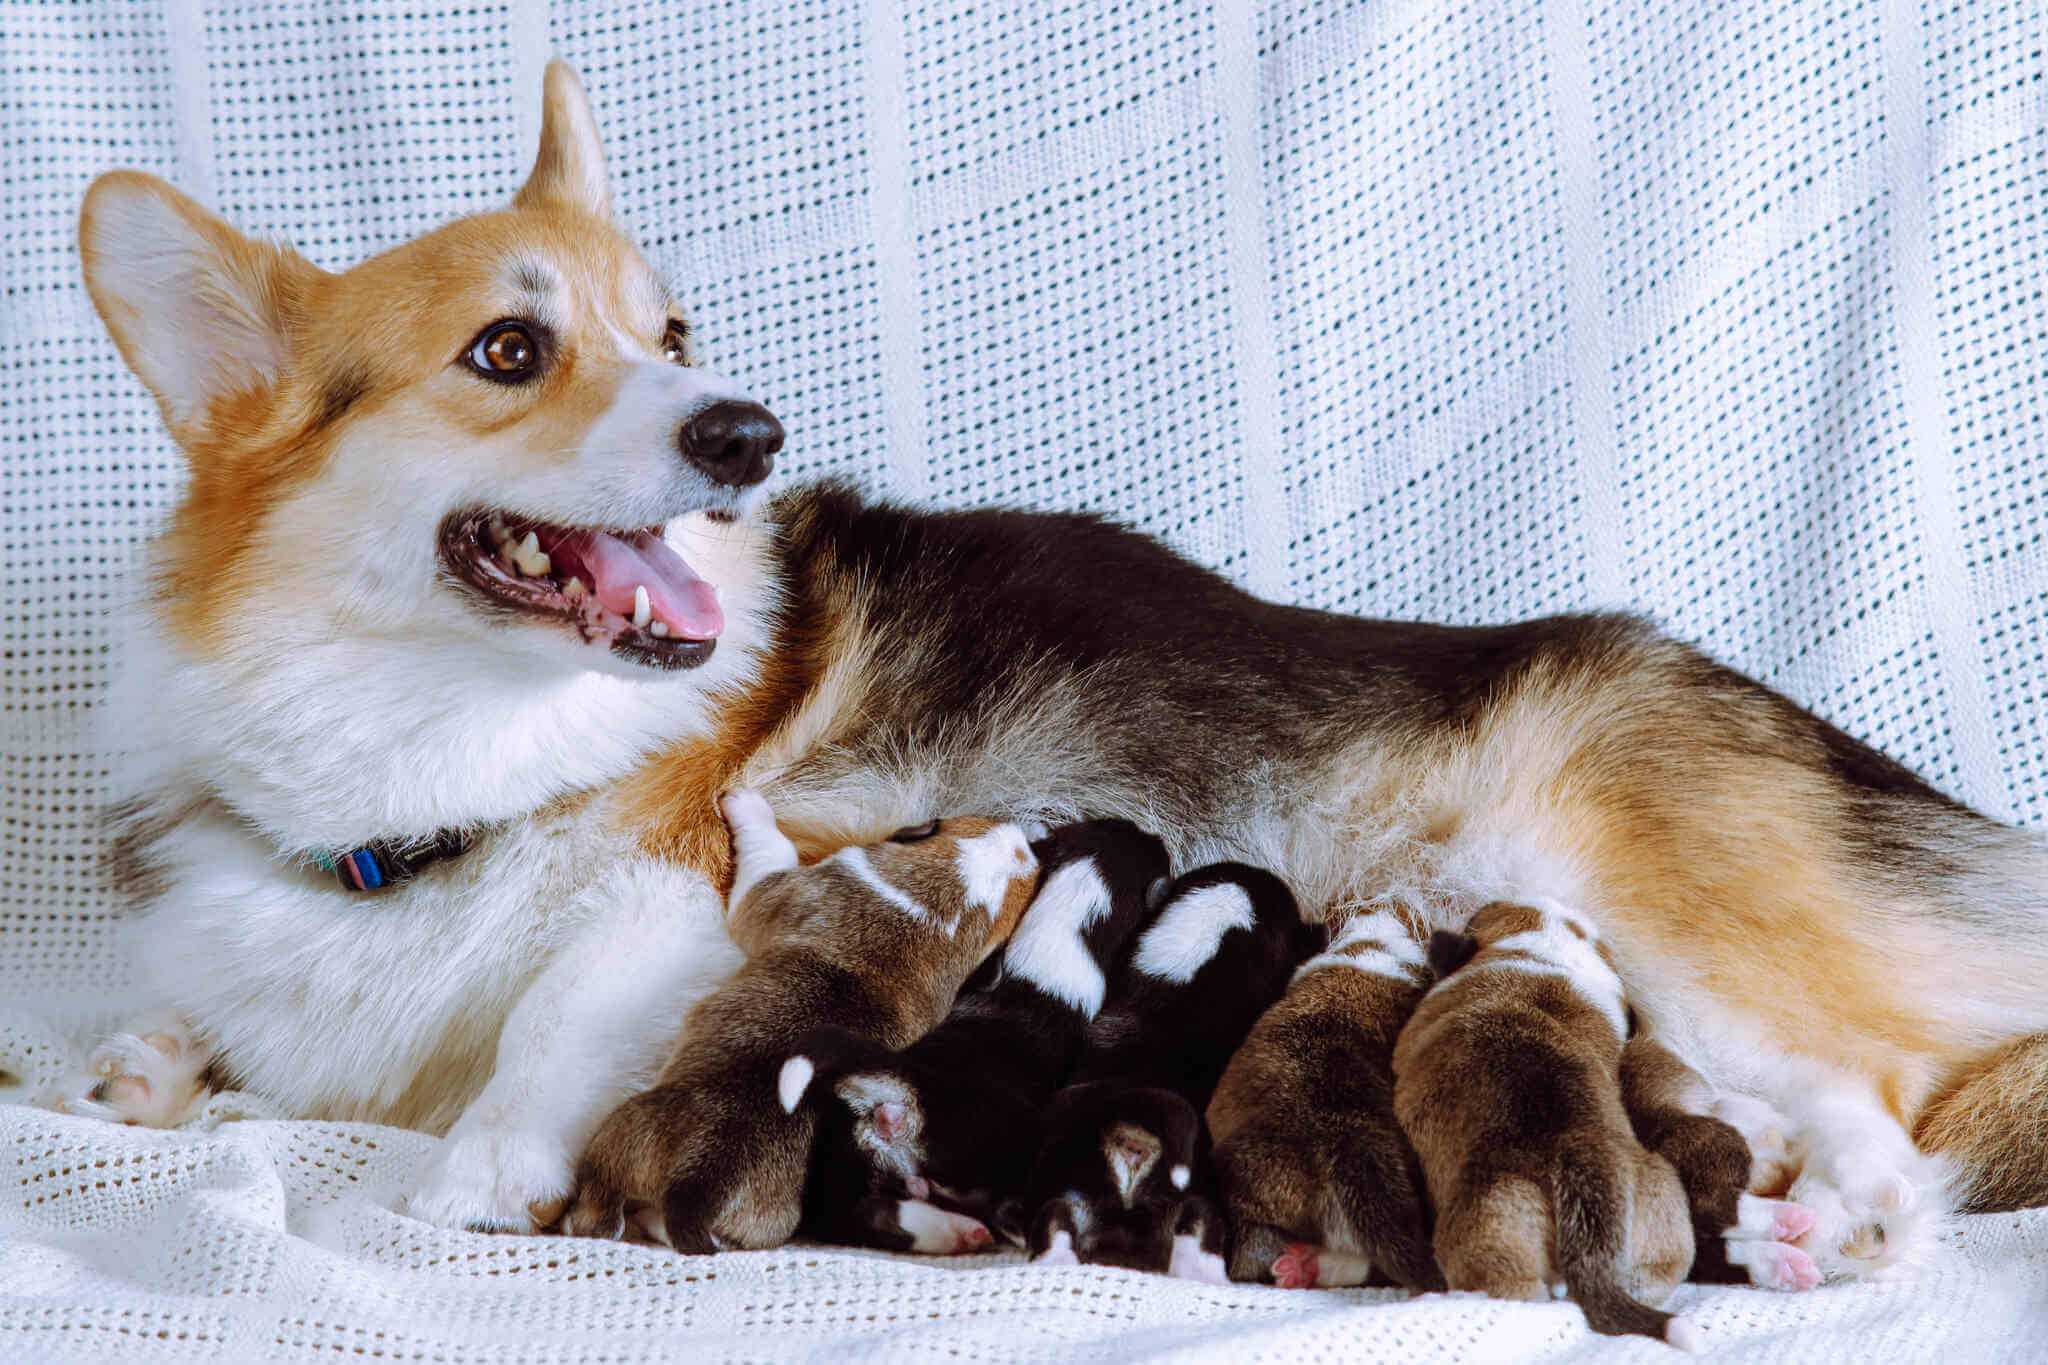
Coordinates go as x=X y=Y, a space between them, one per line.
x=676 y=595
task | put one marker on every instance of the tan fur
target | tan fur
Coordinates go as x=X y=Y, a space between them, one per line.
x=1507 y=1084
x=710 y=1144
x=1700 y=831
x=1306 y=1146
x=1989 y=1123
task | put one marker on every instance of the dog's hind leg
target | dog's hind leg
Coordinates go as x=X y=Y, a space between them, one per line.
x=1993 y=1129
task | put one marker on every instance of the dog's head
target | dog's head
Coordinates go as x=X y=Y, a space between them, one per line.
x=491 y=436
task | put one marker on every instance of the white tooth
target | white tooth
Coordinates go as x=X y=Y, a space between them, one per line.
x=659 y=630
x=531 y=544
x=574 y=587
x=642 y=611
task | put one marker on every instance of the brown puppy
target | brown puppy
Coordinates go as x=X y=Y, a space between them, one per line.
x=1507 y=1081
x=1738 y=1238
x=1319 y=1183
x=873 y=940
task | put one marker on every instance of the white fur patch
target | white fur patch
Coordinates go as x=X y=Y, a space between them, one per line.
x=1047 y=949
x=1560 y=952
x=1190 y=1262
x=989 y=863
x=792 y=1081
x=1185 y=935
x=1377 y=944
x=933 y=1230
x=855 y=861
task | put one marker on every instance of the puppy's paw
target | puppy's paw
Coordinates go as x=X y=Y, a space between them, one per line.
x=1298 y=1267
x=494 y=1180
x=745 y=808
x=1769 y=1220
x=938 y=1232
x=1774 y=1265
x=153 y=1075
x=1190 y=1262
x=1772 y=1164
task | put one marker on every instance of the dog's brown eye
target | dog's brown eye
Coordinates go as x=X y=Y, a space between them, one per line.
x=505 y=351
x=675 y=343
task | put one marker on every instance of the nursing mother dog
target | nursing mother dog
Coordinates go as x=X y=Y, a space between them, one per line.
x=476 y=599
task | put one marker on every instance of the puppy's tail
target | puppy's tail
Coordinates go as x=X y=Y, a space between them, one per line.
x=828 y=1053
x=1592 y=1203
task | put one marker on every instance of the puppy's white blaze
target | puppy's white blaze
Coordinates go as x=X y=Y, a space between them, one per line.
x=855 y=861
x=1179 y=1175
x=1187 y=931
x=989 y=863
x=792 y=1081
x=1047 y=949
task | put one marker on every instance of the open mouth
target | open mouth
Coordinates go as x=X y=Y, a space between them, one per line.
x=625 y=589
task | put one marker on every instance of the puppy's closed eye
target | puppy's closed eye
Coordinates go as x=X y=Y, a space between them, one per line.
x=911 y=834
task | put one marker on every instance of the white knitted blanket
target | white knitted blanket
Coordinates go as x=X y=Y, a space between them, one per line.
x=1730 y=309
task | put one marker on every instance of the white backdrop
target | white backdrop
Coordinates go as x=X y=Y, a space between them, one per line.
x=1732 y=311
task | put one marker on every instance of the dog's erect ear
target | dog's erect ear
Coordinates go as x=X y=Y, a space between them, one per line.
x=200 y=312
x=569 y=170
x=1449 y=951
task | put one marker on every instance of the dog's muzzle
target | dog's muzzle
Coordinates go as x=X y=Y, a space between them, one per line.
x=734 y=443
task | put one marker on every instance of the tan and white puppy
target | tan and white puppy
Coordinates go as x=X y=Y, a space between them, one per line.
x=1506 y=1080
x=875 y=941
x=1320 y=1184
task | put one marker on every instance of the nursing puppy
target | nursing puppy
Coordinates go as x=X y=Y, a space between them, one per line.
x=1112 y=1183
x=1319 y=1183
x=1506 y=1081
x=395 y=634
x=1219 y=952
x=873 y=940
x=917 y=1149
x=1738 y=1238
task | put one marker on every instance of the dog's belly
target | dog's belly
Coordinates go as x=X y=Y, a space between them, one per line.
x=382 y=1006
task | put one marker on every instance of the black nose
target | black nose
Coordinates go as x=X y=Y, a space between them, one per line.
x=735 y=443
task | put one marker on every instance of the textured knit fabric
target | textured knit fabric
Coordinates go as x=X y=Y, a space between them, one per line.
x=1729 y=311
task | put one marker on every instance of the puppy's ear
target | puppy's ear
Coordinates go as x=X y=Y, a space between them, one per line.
x=568 y=171
x=201 y=313
x=1449 y=951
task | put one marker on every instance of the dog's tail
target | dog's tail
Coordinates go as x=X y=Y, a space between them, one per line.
x=1592 y=1210
x=827 y=1053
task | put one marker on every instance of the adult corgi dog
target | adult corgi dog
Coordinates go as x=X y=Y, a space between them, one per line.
x=475 y=594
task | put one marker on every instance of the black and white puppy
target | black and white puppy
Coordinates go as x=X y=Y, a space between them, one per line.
x=917 y=1149
x=1220 y=951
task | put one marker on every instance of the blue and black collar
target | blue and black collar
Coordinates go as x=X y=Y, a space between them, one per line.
x=386 y=862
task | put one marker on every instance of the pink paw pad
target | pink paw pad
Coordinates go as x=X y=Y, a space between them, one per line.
x=1295 y=1267
x=1789 y=1222
x=1784 y=1268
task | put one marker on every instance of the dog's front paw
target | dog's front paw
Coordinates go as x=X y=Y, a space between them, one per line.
x=494 y=1180
x=152 y=1075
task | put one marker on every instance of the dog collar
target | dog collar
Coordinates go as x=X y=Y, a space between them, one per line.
x=383 y=862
